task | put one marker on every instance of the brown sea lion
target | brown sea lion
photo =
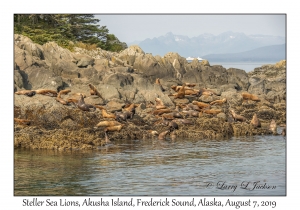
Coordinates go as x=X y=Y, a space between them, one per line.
x=248 y=96
x=273 y=127
x=161 y=111
x=159 y=104
x=157 y=81
x=22 y=121
x=130 y=108
x=176 y=88
x=218 y=102
x=106 y=138
x=107 y=123
x=212 y=111
x=237 y=117
x=63 y=92
x=181 y=92
x=94 y=91
x=153 y=133
x=113 y=128
x=83 y=106
x=201 y=104
x=162 y=135
x=77 y=94
x=191 y=92
x=108 y=115
x=173 y=136
x=28 y=93
x=168 y=116
x=62 y=101
x=99 y=107
x=72 y=100
x=255 y=121
x=283 y=133
x=46 y=92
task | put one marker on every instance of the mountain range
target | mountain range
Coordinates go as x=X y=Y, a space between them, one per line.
x=211 y=46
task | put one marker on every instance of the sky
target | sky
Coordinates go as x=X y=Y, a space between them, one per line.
x=138 y=27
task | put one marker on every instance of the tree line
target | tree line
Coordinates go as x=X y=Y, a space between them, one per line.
x=67 y=30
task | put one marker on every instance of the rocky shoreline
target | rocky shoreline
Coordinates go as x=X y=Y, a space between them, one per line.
x=45 y=120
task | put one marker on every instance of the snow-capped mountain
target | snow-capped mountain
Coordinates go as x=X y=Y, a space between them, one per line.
x=227 y=42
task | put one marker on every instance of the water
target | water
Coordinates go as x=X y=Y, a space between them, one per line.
x=153 y=167
x=247 y=66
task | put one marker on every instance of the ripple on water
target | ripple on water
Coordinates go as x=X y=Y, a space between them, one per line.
x=152 y=167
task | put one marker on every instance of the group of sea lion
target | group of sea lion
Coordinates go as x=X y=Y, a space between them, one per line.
x=171 y=118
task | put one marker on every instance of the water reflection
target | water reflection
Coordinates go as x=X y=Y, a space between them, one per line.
x=152 y=167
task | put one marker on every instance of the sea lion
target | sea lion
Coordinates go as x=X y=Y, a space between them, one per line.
x=94 y=91
x=63 y=92
x=99 y=107
x=218 y=102
x=173 y=125
x=72 y=100
x=159 y=104
x=161 y=111
x=173 y=136
x=108 y=115
x=83 y=106
x=168 y=116
x=211 y=111
x=193 y=107
x=255 y=121
x=177 y=114
x=157 y=81
x=248 y=96
x=78 y=94
x=123 y=115
x=237 y=117
x=107 y=123
x=181 y=92
x=201 y=104
x=113 y=128
x=176 y=88
x=22 y=121
x=153 y=133
x=28 y=93
x=62 y=101
x=106 y=138
x=191 y=92
x=283 y=132
x=162 y=135
x=273 y=127
x=130 y=108
x=46 y=92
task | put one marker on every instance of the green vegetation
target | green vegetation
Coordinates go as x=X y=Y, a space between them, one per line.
x=67 y=30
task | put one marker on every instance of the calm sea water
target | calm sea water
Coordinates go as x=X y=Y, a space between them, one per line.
x=247 y=66
x=238 y=166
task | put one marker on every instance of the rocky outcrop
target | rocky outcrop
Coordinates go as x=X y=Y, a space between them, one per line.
x=129 y=77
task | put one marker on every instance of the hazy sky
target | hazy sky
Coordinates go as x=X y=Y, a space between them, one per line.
x=129 y=28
